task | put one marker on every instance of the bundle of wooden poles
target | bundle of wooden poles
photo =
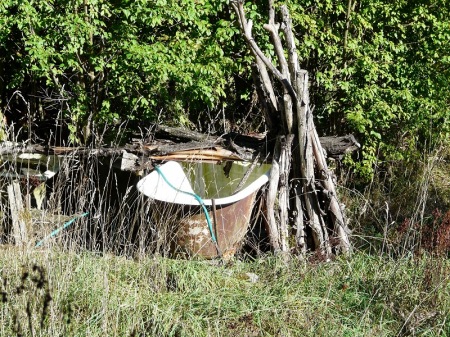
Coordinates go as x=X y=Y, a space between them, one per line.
x=301 y=198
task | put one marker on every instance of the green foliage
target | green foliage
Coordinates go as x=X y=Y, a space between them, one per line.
x=112 y=61
x=379 y=69
x=381 y=72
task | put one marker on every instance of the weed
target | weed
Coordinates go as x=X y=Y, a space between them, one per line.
x=27 y=300
x=433 y=234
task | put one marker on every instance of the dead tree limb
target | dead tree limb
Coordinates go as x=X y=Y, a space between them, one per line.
x=271 y=197
x=273 y=29
x=283 y=191
x=183 y=133
x=247 y=30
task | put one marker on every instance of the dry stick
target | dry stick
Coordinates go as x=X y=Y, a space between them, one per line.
x=289 y=95
x=316 y=221
x=311 y=179
x=265 y=79
x=262 y=63
x=340 y=225
x=298 y=220
x=268 y=88
x=272 y=28
x=350 y=7
x=247 y=30
x=306 y=160
x=299 y=95
x=271 y=198
x=268 y=106
x=294 y=69
x=185 y=133
x=247 y=174
x=214 y=211
x=283 y=192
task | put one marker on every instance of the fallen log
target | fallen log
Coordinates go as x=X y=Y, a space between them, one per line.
x=217 y=154
x=164 y=149
x=338 y=147
x=244 y=146
x=180 y=134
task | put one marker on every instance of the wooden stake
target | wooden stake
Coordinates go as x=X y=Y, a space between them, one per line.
x=16 y=207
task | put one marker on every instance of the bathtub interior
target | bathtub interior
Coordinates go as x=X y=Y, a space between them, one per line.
x=177 y=182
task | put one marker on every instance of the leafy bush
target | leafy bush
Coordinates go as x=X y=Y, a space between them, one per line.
x=380 y=70
x=97 y=61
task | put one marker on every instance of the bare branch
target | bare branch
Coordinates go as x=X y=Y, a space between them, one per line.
x=246 y=28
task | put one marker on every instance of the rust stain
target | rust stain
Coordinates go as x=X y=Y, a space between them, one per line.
x=232 y=222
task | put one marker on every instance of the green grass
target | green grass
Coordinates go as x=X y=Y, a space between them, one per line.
x=93 y=295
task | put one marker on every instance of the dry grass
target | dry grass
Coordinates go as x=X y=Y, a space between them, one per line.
x=404 y=204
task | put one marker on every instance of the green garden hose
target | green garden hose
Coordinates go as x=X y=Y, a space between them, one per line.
x=198 y=198
x=56 y=231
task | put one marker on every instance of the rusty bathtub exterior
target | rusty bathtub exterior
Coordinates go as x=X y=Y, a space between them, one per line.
x=230 y=225
x=230 y=216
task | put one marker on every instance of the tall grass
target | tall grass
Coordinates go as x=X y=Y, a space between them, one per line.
x=403 y=206
x=119 y=219
x=55 y=293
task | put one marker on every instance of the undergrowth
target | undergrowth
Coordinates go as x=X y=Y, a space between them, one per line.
x=405 y=209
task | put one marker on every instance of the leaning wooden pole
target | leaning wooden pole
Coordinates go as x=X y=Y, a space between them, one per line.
x=302 y=198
